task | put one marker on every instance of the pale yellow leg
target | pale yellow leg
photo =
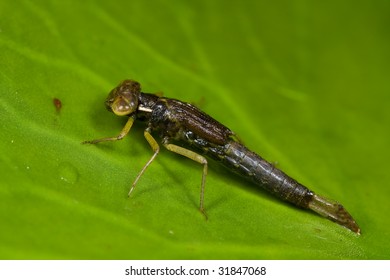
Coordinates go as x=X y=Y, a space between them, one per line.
x=156 y=148
x=198 y=158
x=122 y=134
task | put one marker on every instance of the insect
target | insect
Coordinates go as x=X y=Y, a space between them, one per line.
x=187 y=131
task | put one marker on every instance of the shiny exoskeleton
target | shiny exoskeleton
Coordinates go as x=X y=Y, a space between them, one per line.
x=186 y=130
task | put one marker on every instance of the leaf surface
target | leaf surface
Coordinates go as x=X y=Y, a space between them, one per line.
x=301 y=83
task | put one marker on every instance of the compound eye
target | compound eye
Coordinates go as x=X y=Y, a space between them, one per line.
x=122 y=107
x=123 y=100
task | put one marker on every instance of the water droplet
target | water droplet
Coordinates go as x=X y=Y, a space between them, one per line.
x=28 y=167
x=68 y=173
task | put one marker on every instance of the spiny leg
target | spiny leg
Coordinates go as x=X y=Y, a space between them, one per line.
x=198 y=158
x=123 y=133
x=156 y=148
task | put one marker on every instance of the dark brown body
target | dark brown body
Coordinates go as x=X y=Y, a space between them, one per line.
x=185 y=130
x=180 y=122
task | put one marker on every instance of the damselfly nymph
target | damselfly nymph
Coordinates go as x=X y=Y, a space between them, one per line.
x=184 y=129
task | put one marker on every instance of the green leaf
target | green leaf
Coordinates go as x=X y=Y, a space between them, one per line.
x=304 y=84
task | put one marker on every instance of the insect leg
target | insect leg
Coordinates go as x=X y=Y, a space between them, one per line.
x=156 y=148
x=123 y=133
x=195 y=157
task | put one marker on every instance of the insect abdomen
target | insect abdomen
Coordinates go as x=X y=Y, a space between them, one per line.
x=264 y=174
